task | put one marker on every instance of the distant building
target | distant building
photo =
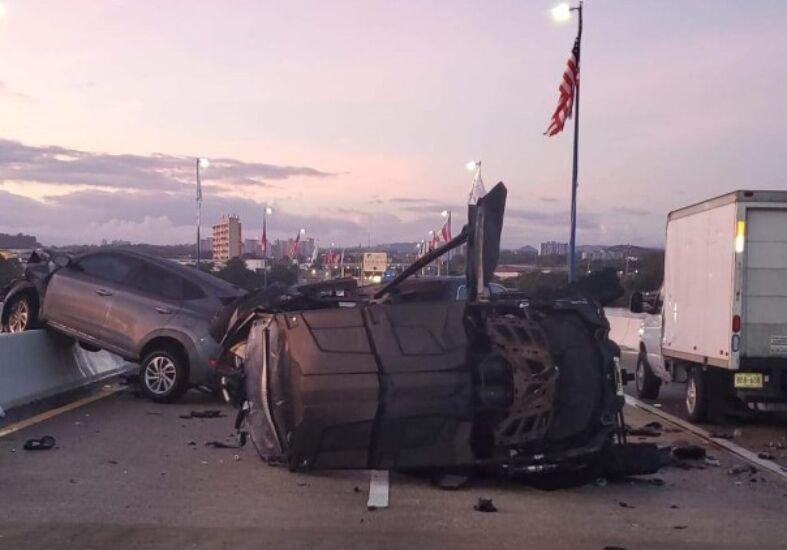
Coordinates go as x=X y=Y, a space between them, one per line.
x=252 y=246
x=206 y=244
x=227 y=239
x=553 y=248
x=18 y=241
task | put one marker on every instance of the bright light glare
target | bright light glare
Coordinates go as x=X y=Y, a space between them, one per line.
x=740 y=236
x=269 y=210
x=472 y=165
x=562 y=12
x=2 y=11
x=303 y=231
x=444 y=213
x=203 y=162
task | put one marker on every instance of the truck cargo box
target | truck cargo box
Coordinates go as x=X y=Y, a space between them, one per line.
x=725 y=280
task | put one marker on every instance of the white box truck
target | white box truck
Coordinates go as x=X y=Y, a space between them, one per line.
x=720 y=319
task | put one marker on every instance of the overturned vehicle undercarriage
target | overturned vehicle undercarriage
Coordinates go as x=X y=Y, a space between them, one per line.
x=335 y=376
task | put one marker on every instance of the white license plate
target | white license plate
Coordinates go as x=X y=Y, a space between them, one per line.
x=749 y=380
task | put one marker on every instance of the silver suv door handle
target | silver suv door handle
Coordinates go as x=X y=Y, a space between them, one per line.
x=103 y=292
x=163 y=310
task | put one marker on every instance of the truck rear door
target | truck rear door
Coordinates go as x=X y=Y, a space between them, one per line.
x=764 y=331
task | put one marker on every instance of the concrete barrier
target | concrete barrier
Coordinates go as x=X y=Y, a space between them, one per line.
x=39 y=364
x=624 y=326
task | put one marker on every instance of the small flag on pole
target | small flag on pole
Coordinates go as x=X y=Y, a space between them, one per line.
x=477 y=190
x=566 y=90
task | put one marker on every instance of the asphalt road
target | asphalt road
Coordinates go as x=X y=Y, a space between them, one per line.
x=127 y=473
x=763 y=432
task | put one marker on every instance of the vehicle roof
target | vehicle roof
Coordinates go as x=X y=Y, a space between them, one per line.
x=210 y=282
x=741 y=195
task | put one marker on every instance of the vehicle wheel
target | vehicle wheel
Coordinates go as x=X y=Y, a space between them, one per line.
x=648 y=384
x=164 y=376
x=697 y=395
x=22 y=314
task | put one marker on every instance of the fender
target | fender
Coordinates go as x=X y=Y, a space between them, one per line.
x=177 y=335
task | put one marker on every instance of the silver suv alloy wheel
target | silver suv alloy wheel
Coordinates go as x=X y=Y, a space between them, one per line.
x=19 y=316
x=160 y=374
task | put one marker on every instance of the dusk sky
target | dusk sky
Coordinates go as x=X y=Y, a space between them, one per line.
x=356 y=119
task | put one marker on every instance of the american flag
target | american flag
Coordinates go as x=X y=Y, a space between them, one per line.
x=566 y=90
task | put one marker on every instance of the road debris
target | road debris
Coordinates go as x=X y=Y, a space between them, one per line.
x=211 y=413
x=625 y=505
x=712 y=461
x=452 y=481
x=686 y=451
x=485 y=505
x=766 y=456
x=42 y=444
x=741 y=469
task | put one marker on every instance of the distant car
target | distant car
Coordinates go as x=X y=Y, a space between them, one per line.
x=143 y=308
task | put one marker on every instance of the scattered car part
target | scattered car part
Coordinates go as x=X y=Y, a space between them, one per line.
x=41 y=444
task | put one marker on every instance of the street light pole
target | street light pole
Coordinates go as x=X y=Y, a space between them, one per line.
x=572 y=244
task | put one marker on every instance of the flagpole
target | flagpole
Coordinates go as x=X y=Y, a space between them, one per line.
x=572 y=244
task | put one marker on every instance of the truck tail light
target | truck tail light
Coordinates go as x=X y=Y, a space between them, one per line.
x=740 y=236
x=736 y=323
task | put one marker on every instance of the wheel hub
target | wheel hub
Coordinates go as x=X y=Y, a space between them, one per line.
x=691 y=395
x=160 y=374
x=17 y=320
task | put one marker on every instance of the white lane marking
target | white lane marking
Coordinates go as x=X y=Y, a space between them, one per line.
x=33 y=420
x=743 y=453
x=378 y=489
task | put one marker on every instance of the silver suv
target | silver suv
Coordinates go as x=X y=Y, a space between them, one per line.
x=143 y=308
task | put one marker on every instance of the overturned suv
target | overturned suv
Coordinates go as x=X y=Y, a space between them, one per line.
x=335 y=376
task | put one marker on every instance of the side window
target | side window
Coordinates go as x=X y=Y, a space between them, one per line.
x=191 y=291
x=109 y=267
x=159 y=282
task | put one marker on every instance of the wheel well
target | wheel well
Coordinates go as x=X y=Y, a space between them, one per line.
x=165 y=343
x=31 y=292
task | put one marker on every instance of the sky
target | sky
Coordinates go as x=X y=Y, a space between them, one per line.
x=355 y=119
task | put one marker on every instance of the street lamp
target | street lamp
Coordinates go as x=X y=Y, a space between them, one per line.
x=203 y=163
x=562 y=12
x=473 y=165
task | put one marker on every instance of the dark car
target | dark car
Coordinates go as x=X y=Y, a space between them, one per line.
x=402 y=377
x=440 y=288
x=143 y=308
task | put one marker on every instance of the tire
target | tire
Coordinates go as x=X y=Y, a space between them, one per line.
x=164 y=376
x=696 y=397
x=647 y=383
x=22 y=314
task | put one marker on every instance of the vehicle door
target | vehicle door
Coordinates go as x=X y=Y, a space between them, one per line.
x=78 y=296
x=651 y=335
x=148 y=302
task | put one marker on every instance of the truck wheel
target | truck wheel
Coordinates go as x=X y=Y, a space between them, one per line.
x=164 y=376
x=697 y=395
x=648 y=384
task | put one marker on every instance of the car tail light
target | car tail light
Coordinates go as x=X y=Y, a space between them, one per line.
x=736 y=323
